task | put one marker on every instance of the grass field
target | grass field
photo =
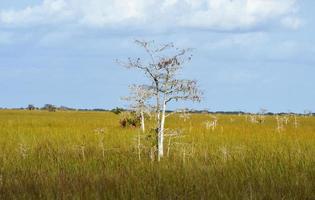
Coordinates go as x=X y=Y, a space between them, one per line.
x=87 y=155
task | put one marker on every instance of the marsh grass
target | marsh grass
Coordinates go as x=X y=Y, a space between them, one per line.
x=87 y=155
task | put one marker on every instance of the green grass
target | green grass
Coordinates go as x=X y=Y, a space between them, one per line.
x=61 y=156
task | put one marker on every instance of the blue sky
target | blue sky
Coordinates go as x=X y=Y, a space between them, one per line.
x=249 y=54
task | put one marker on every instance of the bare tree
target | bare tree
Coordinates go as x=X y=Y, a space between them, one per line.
x=162 y=68
x=139 y=95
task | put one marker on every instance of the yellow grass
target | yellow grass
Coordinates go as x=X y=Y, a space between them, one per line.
x=86 y=155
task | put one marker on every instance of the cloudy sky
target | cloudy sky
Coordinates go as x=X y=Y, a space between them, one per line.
x=249 y=54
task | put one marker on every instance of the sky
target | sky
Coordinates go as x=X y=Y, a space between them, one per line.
x=248 y=54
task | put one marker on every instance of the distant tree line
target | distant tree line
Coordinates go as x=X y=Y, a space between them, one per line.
x=118 y=110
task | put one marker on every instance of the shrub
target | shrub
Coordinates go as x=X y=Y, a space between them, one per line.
x=129 y=120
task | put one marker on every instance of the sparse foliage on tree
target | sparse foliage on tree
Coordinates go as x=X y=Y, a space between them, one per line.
x=139 y=96
x=162 y=68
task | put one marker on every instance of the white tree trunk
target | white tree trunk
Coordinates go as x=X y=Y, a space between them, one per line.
x=158 y=110
x=161 y=133
x=142 y=122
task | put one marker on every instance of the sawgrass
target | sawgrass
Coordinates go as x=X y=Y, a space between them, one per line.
x=87 y=155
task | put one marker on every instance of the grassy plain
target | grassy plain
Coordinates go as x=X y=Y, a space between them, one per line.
x=87 y=155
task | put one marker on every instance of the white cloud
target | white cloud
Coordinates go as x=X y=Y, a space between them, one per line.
x=48 y=12
x=238 y=14
x=206 y=14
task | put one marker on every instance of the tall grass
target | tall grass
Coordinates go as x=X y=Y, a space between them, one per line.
x=86 y=155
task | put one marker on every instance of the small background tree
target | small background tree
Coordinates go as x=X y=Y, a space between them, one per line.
x=117 y=110
x=49 y=107
x=139 y=96
x=31 y=107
